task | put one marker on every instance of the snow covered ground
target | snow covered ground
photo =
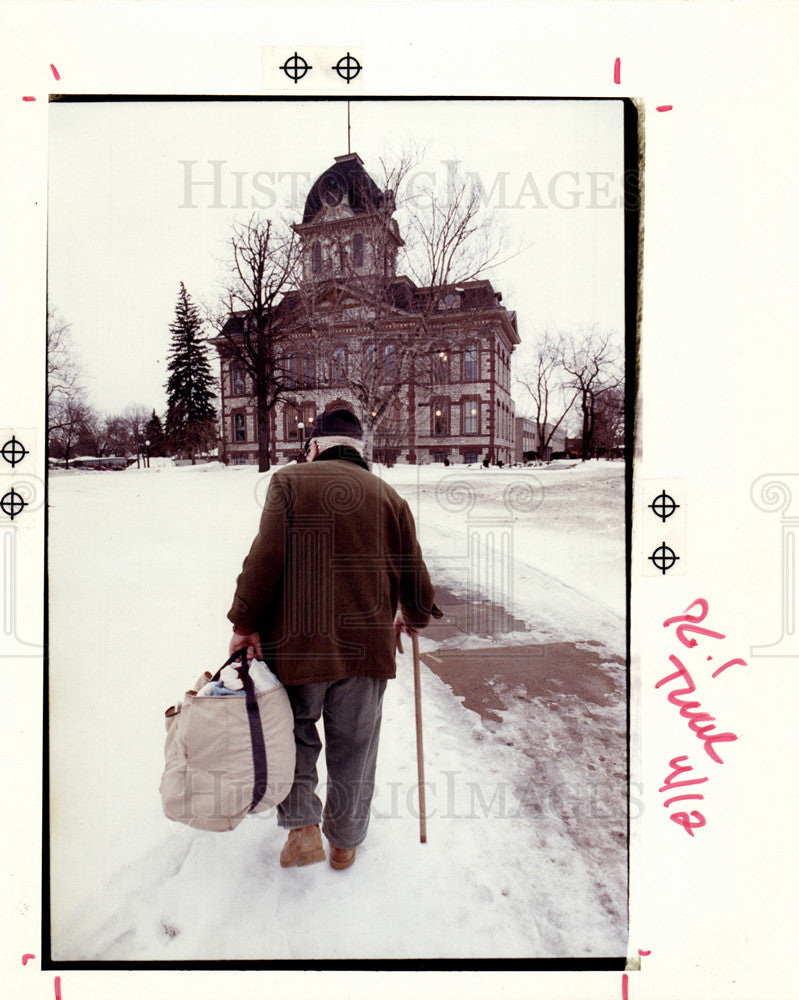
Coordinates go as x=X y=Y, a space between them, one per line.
x=525 y=853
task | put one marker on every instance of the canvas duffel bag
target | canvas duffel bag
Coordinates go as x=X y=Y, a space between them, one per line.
x=227 y=756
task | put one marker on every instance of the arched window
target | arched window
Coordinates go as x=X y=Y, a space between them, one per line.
x=316 y=257
x=357 y=250
x=390 y=363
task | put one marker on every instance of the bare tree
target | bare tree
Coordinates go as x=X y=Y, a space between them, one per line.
x=391 y=434
x=63 y=372
x=544 y=383
x=609 y=422
x=72 y=422
x=255 y=316
x=134 y=419
x=68 y=412
x=590 y=360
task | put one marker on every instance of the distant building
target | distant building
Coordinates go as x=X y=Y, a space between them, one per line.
x=528 y=445
x=456 y=407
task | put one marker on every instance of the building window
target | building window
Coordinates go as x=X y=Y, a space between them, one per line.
x=471 y=363
x=239 y=427
x=470 y=416
x=291 y=414
x=440 y=417
x=338 y=367
x=290 y=371
x=390 y=363
x=308 y=370
x=357 y=250
x=298 y=421
x=237 y=381
x=316 y=257
x=440 y=456
x=470 y=458
x=440 y=367
x=240 y=460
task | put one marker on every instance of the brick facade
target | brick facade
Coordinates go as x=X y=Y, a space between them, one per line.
x=455 y=403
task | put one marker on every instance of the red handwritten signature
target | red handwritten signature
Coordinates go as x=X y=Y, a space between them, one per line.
x=701 y=723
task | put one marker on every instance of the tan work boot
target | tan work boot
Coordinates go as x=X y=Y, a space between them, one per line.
x=303 y=847
x=341 y=857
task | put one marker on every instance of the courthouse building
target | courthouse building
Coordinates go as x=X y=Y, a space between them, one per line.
x=431 y=365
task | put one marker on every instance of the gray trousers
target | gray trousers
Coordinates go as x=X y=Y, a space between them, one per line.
x=352 y=710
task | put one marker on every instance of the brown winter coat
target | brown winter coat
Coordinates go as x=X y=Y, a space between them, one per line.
x=336 y=553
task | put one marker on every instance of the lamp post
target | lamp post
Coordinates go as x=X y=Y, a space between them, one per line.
x=147 y=460
x=301 y=429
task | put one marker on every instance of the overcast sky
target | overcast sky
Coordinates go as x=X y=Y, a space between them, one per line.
x=129 y=216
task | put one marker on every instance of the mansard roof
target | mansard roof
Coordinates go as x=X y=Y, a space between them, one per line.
x=346 y=182
x=401 y=293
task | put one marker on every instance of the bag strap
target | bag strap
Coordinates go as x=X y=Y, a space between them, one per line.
x=254 y=719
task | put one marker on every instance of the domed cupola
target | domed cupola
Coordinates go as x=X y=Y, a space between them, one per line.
x=347 y=229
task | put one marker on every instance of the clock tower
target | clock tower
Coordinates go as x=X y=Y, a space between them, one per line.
x=348 y=232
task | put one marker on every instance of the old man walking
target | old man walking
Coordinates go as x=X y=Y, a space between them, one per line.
x=334 y=572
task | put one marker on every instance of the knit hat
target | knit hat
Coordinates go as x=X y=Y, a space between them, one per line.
x=337 y=421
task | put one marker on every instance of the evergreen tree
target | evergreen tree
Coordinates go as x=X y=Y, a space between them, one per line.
x=154 y=432
x=190 y=417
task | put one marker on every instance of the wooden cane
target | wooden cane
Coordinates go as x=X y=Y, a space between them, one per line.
x=417 y=690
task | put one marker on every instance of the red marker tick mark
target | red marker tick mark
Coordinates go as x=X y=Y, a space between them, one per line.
x=27 y=957
x=644 y=953
x=28 y=98
x=624 y=981
x=664 y=107
x=617 y=71
x=729 y=663
x=55 y=72
x=57 y=987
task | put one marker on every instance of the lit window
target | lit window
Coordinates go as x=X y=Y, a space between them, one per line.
x=237 y=381
x=440 y=417
x=470 y=416
x=440 y=366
